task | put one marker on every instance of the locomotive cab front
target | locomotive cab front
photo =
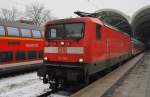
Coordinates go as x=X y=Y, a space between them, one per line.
x=64 y=43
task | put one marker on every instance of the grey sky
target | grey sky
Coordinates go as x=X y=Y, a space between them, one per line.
x=65 y=8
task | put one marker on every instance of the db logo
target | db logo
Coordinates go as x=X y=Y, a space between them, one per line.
x=62 y=50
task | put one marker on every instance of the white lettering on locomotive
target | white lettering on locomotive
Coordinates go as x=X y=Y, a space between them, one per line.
x=32 y=45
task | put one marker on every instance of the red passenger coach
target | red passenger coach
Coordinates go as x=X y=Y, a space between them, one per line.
x=137 y=47
x=78 y=48
x=21 y=45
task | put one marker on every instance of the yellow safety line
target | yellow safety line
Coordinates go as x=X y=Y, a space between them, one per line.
x=21 y=38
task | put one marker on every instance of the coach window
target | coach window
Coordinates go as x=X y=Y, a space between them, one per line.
x=36 y=34
x=40 y=54
x=25 y=33
x=2 y=31
x=6 y=56
x=98 y=32
x=12 y=31
x=32 y=55
x=20 y=55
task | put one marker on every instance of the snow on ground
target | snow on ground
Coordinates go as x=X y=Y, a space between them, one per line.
x=26 y=85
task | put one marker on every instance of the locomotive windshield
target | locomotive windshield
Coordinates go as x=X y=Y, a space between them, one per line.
x=62 y=31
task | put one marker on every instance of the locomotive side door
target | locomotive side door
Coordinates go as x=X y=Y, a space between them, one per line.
x=108 y=61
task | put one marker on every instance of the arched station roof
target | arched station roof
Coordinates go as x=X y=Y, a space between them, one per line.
x=115 y=18
x=141 y=24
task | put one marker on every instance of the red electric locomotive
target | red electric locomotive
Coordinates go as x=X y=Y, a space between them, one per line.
x=21 y=45
x=78 y=48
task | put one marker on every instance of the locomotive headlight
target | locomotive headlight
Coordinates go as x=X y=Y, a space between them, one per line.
x=81 y=60
x=45 y=58
x=62 y=43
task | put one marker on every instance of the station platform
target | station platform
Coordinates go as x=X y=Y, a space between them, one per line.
x=136 y=83
x=131 y=79
x=21 y=66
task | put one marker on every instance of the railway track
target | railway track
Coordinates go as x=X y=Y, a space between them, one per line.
x=57 y=94
x=65 y=92
x=45 y=94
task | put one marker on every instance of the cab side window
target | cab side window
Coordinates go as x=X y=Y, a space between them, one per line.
x=98 y=32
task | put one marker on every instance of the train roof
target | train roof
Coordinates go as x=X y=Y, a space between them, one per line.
x=83 y=19
x=20 y=25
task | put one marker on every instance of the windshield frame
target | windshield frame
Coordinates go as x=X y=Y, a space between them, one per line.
x=64 y=36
